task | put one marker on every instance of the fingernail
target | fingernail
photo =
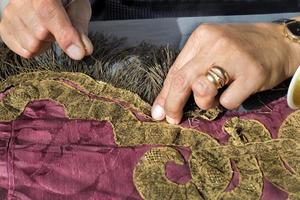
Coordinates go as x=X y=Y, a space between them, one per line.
x=75 y=52
x=170 y=120
x=158 y=113
x=88 y=44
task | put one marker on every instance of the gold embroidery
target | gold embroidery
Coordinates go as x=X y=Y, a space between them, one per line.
x=149 y=176
x=289 y=130
x=250 y=145
x=210 y=114
x=84 y=81
x=251 y=178
x=141 y=69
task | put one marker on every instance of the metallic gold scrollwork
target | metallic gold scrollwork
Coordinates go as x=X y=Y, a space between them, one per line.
x=255 y=154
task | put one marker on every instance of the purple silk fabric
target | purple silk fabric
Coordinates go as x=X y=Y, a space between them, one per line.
x=44 y=155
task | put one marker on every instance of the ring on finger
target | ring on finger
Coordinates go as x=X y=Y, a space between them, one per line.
x=218 y=76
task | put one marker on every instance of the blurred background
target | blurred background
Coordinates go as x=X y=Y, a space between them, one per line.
x=143 y=9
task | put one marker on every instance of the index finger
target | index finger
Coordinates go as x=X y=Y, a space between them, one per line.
x=188 y=52
x=54 y=17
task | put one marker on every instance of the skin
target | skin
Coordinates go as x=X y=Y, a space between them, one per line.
x=28 y=27
x=257 y=57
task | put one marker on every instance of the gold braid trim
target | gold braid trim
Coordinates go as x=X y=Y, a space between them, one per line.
x=95 y=87
x=289 y=181
x=152 y=168
x=250 y=145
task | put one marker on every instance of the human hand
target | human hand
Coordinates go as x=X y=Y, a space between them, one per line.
x=256 y=57
x=28 y=27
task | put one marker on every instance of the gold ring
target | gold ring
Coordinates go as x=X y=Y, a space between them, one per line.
x=218 y=76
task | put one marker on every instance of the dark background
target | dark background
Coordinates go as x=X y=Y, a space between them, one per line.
x=141 y=9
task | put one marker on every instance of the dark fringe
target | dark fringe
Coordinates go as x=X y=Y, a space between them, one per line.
x=141 y=69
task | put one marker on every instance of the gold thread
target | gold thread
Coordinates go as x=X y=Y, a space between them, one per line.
x=250 y=144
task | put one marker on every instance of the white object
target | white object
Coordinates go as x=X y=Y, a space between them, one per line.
x=295 y=83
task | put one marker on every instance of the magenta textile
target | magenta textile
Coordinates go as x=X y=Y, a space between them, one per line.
x=44 y=155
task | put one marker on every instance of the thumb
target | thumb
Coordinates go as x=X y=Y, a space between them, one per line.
x=80 y=13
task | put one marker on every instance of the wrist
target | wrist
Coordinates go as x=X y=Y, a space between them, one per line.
x=286 y=51
x=290 y=49
x=294 y=57
x=289 y=30
x=293 y=50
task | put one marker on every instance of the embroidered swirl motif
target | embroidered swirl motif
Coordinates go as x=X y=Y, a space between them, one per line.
x=250 y=145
